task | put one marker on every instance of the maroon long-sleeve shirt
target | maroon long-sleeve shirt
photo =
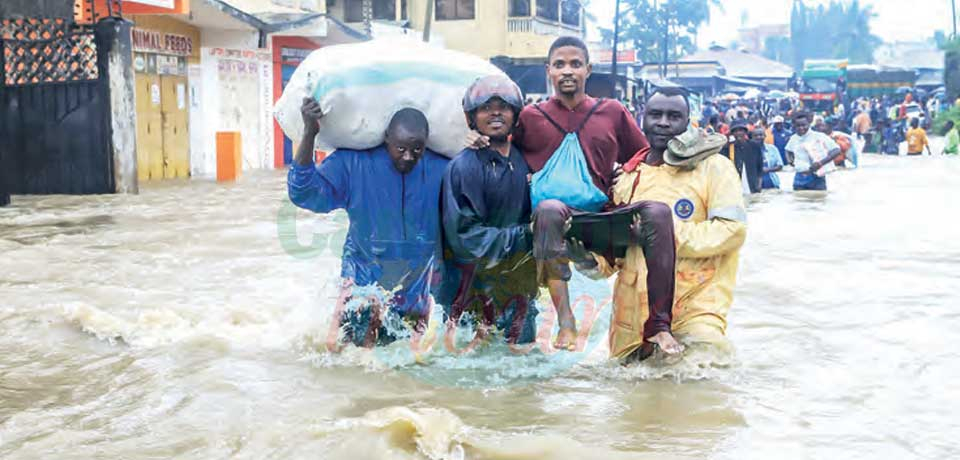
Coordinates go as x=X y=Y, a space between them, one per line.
x=610 y=136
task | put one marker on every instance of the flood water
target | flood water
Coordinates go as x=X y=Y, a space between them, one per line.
x=189 y=322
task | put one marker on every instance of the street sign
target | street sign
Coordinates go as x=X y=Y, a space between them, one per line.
x=606 y=56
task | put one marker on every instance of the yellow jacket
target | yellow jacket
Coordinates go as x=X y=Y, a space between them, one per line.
x=711 y=227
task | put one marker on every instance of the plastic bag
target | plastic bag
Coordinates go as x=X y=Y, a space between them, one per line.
x=566 y=177
x=818 y=150
x=361 y=86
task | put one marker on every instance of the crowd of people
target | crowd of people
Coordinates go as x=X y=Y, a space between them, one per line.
x=770 y=135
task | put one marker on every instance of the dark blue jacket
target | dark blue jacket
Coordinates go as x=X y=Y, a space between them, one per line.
x=395 y=235
x=486 y=219
x=780 y=139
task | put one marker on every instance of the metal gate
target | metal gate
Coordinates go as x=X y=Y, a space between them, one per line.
x=55 y=107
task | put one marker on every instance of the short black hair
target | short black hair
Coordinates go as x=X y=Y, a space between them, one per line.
x=569 y=41
x=672 y=91
x=410 y=119
x=948 y=125
x=914 y=122
x=802 y=115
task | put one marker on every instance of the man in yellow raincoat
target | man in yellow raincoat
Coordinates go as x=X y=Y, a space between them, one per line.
x=681 y=170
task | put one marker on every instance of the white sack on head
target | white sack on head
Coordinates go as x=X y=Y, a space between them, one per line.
x=360 y=86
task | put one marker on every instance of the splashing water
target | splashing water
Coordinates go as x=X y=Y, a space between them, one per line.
x=177 y=323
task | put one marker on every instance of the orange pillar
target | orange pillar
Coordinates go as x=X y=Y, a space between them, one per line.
x=229 y=156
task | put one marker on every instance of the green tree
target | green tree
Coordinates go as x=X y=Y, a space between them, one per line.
x=778 y=49
x=838 y=30
x=652 y=26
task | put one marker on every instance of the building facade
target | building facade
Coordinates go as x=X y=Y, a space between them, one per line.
x=219 y=67
x=486 y=28
x=513 y=34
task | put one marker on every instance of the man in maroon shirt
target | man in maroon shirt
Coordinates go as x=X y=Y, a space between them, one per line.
x=608 y=134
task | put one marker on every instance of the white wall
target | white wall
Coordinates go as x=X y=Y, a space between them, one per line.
x=202 y=161
x=237 y=95
x=220 y=38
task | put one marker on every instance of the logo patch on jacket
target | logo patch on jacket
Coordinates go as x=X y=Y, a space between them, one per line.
x=684 y=208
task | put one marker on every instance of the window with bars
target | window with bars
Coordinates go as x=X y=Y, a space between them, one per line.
x=382 y=9
x=519 y=8
x=385 y=10
x=549 y=9
x=455 y=9
x=566 y=11
x=570 y=12
x=353 y=10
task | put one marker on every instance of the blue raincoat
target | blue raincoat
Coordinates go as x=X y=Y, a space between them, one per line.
x=395 y=235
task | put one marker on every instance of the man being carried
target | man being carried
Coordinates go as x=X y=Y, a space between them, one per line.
x=682 y=170
x=605 y=134
x=486 y=219
x=810 y=151
x=391 y=194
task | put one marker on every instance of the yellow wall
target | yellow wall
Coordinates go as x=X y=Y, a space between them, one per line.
x=485 y=36
x=171 y=26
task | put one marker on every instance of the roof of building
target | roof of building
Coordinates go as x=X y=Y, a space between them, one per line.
x=741 y=64
x=912 y=55
x=271 y=16
x=687 y=69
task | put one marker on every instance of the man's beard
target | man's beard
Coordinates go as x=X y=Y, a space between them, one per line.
x=501 y=139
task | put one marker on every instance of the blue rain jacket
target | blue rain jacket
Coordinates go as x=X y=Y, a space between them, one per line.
x=486 y=218
x=395 y=235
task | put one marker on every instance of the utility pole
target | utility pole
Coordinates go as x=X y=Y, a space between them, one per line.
x=666 y=39
x=616 y=43
x=428 y=21
x=953 y=5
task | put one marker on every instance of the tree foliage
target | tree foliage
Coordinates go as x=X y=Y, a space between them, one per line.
x=838 y=30
x=645 y=24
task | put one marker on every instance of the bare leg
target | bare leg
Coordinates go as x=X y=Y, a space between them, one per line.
x=551 y=220
x=567 y=336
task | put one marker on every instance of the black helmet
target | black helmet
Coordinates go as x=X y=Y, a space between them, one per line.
x=489 y=87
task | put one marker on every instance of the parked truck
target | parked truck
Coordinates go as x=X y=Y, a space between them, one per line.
x=872 y=81
x=823 y=81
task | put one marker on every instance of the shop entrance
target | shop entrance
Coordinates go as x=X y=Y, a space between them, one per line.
x=163 y=135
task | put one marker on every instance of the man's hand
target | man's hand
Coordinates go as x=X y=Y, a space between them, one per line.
x=636 y=229
x=814 y=167
x=579 y=254
x=476 y=140
x=617 y=175
x=311 y=113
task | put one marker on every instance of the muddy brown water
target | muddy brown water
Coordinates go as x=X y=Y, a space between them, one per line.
x=189 y=322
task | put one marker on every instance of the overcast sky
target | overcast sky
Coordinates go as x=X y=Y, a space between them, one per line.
x=906 y=20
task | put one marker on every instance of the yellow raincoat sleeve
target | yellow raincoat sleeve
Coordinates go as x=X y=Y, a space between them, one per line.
x=725 y=228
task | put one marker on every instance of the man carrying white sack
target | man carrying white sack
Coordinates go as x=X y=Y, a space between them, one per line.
x=391 y=194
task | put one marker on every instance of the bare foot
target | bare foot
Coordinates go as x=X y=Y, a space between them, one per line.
x=566 y=339
x=667 y=343
x=663 y=340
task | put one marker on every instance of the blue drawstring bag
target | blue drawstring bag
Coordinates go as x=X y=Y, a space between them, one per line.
x=566 y=176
